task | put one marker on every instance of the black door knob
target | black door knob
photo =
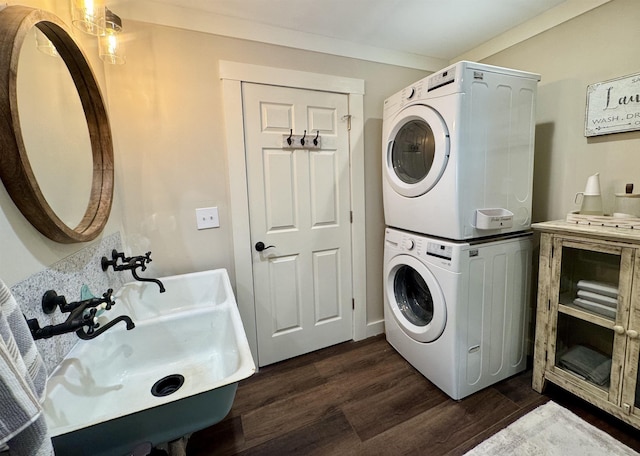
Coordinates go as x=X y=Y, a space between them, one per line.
x=260 y=246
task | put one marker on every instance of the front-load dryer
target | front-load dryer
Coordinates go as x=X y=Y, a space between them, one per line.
x=458 y=152
x=457 y=311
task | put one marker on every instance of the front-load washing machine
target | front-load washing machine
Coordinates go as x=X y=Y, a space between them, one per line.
x=457 y=311
x=458 y=152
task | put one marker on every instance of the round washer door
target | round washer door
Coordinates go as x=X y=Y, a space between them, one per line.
x=417 y=150
x=415 y=298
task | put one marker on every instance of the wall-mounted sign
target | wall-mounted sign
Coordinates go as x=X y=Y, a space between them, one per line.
x=613 y=106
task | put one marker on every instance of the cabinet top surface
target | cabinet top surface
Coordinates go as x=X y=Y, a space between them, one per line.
x=593 y=231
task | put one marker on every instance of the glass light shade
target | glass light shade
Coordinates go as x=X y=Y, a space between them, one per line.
x=110 y=48
x=88 y=16
x=44 y=44
x=112 y=21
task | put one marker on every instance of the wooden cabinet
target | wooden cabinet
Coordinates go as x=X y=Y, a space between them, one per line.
x=588 y=315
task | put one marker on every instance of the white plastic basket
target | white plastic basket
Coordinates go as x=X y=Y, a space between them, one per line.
x=493 y=219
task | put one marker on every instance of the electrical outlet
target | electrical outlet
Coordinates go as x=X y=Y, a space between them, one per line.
x=207 y=217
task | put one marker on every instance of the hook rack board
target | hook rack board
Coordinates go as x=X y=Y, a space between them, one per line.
x=309 y=142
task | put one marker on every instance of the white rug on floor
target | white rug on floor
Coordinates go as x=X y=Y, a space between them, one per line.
x=551 y=430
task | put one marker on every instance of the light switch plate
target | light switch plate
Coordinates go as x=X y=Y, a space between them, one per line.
x=207 y=217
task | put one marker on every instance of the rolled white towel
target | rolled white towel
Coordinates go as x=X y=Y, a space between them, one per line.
x=603 y=288
x=597 y=297
x=596 y=308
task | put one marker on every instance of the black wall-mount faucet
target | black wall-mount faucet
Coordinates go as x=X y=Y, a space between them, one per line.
x=132 y=264
x=82 y=316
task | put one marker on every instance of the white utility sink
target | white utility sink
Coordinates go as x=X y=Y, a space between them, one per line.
x=188 y=341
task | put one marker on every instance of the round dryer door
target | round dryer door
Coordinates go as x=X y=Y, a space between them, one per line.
x=415 y=298
x=417 y=150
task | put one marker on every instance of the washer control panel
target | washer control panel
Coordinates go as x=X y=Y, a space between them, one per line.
x=430 y=251
x=408 y=243
x=440 y=250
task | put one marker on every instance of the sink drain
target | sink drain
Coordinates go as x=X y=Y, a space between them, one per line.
x=167 y=385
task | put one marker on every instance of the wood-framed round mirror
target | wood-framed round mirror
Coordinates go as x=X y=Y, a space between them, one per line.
x=16 y=172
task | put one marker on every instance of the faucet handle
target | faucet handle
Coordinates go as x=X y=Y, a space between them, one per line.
x=90 y=320
x=144 y=260
x=141 y=261
x=107 y=299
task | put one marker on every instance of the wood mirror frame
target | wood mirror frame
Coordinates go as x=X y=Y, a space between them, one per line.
x=15 y=171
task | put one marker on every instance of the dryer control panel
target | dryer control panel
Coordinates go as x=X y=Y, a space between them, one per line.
x=411 y=93
x=443 y=78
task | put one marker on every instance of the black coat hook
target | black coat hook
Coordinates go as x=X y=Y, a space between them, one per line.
x=303 y=136
x=315 y=140
x=289 y=140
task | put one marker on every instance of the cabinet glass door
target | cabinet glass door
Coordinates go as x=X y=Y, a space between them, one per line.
x=589 y=281
x=592 y=289
x=585 y=350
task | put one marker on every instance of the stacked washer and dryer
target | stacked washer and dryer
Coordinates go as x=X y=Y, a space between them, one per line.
x=457 y=184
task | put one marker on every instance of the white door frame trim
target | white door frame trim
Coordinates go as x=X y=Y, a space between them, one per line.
x=233 y=74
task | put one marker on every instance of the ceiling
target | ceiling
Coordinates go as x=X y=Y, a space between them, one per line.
x=423 y=34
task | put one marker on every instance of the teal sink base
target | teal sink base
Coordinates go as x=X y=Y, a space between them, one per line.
x=120 y=436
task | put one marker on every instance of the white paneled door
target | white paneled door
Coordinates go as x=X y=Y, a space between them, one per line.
x=299 y=208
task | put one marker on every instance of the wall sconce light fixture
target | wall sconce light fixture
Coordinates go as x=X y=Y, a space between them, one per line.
x=110 y=47
x=88 y=16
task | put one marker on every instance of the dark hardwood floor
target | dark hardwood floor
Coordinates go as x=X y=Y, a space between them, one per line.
x=363 y=398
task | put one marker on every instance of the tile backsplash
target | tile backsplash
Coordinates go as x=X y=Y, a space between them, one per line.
x=67 y=277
